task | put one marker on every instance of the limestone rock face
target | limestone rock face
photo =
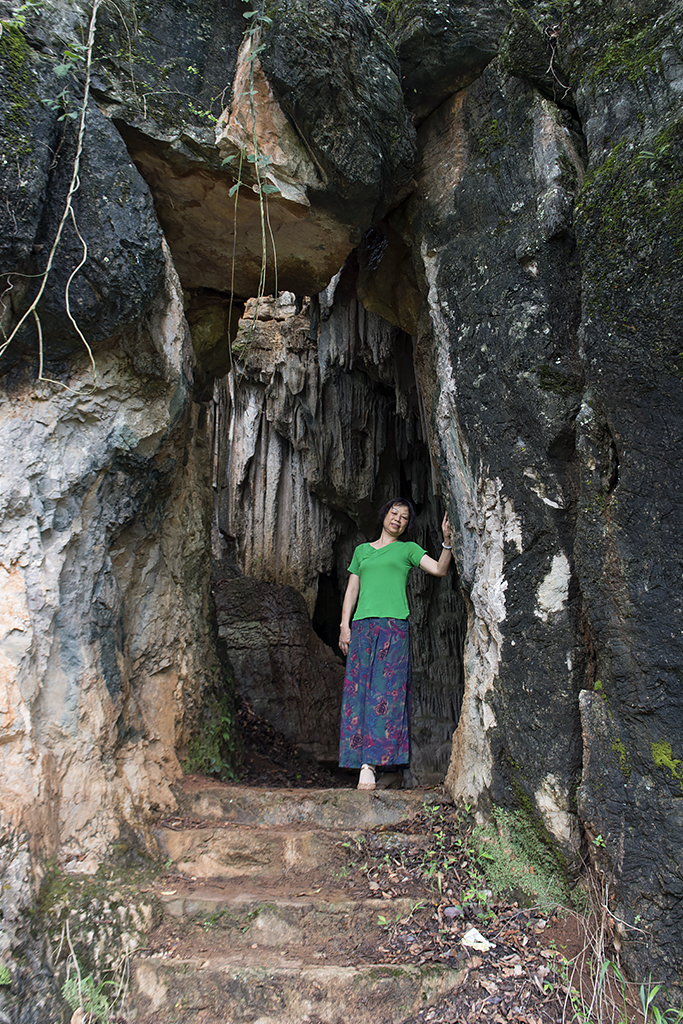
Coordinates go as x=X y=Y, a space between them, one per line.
x=105 y=632
x=332 y=129
x=500 y=375
x=504 y=342
x=113 y=221
x=290 y=677
x=630 y=514
x=339 y=83
x=103 y=551
x=443 y=47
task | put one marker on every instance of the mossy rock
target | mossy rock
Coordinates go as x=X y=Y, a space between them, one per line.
x=629 y=223
x=104 y=918
x=530 y=50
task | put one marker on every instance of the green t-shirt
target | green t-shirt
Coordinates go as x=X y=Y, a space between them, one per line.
x=383 y=574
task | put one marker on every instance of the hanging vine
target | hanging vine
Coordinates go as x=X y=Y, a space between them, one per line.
x=72 y=55
x=257 y=20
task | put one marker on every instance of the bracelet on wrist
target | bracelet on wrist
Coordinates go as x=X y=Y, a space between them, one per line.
x=448 y=547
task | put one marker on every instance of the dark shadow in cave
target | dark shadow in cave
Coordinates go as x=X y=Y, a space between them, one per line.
x=328 y=608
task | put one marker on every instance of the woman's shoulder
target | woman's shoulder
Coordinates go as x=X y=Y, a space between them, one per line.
x=413 y=553
x=360 y=553
x=360 y=548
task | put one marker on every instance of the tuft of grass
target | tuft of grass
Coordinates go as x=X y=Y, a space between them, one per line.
x=514 y=859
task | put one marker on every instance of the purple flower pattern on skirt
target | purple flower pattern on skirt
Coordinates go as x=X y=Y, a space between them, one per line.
x=375 y=719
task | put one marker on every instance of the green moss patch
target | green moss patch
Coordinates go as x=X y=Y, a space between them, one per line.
x=662 y=755
x=629 y=221
x=622 y=754
x=95 y=920
x=14 y=60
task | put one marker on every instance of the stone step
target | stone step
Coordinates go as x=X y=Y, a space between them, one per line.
x=236 y=989
x=327 y=808
x=255 y=919
x=233 y=850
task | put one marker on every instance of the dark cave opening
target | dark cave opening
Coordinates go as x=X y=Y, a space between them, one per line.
x=328 y=608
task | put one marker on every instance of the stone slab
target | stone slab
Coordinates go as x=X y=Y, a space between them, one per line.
x=249 y=918
x=231 y=851
x=222 y=991
x=329 y=808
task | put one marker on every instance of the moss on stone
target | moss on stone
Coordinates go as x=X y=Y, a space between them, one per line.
x=106 y=914
x=623 y=42
x=557 y=383
x=14 y=55
x=662 y=755
x=516 y=855
x=624 y=762
x=527 y=812
x=629 y=220
x=632 y=52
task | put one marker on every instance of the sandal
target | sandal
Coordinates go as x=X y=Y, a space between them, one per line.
x=367 y=777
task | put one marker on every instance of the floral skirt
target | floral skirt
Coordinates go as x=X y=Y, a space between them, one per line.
x=375 y=719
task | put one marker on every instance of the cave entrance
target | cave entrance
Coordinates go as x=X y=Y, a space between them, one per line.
x=316 y=427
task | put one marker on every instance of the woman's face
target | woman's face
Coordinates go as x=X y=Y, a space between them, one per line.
x=396 y=520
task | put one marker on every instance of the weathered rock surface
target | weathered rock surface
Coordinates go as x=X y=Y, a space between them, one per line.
x=500 y=376
x=332 y=134
x=630 y=229
x=104 y=564
x=113 y=221
x=539 y=400
x=106 y=632
x=339 y=82
x=443 y=47
x=33 y=993
x=290 y=677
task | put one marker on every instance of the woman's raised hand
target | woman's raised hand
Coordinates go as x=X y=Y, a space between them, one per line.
x=446 y=528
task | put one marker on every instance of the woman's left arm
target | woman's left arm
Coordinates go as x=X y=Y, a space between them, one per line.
x=431 y=565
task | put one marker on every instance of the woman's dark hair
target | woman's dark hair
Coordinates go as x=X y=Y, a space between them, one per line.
x=406 y=504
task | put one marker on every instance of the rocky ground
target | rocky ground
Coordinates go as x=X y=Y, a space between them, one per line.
x=422 y=880
x=514 y=970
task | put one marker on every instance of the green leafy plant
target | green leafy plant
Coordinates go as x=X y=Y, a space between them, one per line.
x=19 y=16
x=96 y=998
x=212 y=749
x=648 y=993
x=87 y=995
x=652 y=158
x=5 y=976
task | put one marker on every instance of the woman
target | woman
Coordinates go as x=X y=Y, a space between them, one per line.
x=375 y=725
